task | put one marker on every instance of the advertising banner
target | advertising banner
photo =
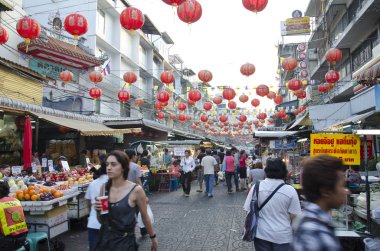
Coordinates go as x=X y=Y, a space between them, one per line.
x=50 y=69
x=343 y=146
x=295 y=26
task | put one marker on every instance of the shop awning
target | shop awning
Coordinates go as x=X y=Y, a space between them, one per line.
x=369 y=72
x=274 y=134
x=303 y=120
x=133 y=122
x=181 y=142
x=356 y=119
x=86 y=128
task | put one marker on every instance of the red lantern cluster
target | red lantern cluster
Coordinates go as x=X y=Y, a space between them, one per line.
x=271 y=95
x=334 y=55
x=189 y=11
x=255 y=102
x=262 y=90
x=3 y=35
x=132 y=19
x=161 y=115
x=205 y=76
x=332 y=76
x=217 y=100
x=28 y=28
x=243 y=98
x=190 y=102
x=66 y=76
x=181 y=106
x=255 y=5
x=295 y=84
x=195 y=95
x=96 y=77
x=289 y=64
x=324 y=87
x=123 y=96
x=262 y=116
x=232 y=104
x=95 y=92
x=76 y=25
x=301 y=94
x=281 y=114
x=139 y=101
x=247 y=69
x=207 y=106
x=163 y=96
x=229 y=93
x=182 y=117
x=130 y=77
x=167 y=77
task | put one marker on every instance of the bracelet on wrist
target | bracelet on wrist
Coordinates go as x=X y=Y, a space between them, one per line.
x=153 y=236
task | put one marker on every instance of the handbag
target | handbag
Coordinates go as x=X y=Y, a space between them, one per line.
x=250 y=223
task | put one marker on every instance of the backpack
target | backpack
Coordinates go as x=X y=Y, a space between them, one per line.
x=250 y=223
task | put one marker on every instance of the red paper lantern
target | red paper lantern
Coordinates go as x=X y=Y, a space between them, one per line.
x=139 y=101
x=229 y=93
x=3 y=35
x=158 y=106
x=95 y=92
x=172 y=116
x=281 y=114
x=262 y=90
x=188 y=117
x=173 y=3
x=205 y=76
x=295 y=84
x=277 y=100
x=243 y=98
x=243 y=118
x=332 y=76
x=181 y=117
x=161 y=115
x=255 y=102
x=204 y=118
x=217 y=100
x=334 y=55
x=189 y=11
x=301 y=94
x=130 y=77
x=123 y=96
x=28 y=28
x=167 y=77
x=195 y=95
x=247 y=69
x=271 y=95
x=323 y=88
x=232 y=104
x=190 y=102
x=132 y=19
x=96 y=77
x=76 y=25
x=262 y=116
x=296 y=111
x=181 y=106
x=289 y=64
x=66 y=76
x=255 y=5
x=163 y=96
x=207 y=106
x=223 y=118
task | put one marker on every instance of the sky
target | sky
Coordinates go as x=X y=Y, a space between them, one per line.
x=227 y=36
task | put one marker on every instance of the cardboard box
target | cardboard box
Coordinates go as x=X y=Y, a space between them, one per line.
x=50 y=218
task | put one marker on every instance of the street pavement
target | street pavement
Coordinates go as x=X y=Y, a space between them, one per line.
x=187 y=223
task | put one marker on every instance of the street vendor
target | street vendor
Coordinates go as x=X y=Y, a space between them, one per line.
x=58 y=167
x=167 y=157
x=13 y=228
x=5 y=170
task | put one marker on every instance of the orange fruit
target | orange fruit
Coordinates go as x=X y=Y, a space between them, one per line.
x=20 y=196
x=31 y=187
x=26 y=191
x=19 y=192
x=53 y=191
x=26 y=196
x=32 y=192
x=34 y=197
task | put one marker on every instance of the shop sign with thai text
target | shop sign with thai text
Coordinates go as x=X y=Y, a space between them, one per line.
x=50 y=69
x=343 y=146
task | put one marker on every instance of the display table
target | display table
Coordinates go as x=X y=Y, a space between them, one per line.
x=78 y=208
x=48 y=216
x=164 y=178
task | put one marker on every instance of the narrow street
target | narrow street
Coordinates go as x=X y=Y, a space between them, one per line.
x=194 y=223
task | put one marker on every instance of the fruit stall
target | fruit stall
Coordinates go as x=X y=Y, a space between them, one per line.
x=51 y=200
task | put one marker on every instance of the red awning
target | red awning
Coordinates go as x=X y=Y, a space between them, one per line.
x=369 y=73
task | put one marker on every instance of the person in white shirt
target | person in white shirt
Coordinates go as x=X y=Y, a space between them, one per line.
x=92 y=192
x=187 y=166
x=274 y=230
x=209 y=164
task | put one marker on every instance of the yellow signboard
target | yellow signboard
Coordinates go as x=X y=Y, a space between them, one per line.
x=343 y=146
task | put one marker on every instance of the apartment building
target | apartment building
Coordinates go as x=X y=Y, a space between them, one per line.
x=353 y=27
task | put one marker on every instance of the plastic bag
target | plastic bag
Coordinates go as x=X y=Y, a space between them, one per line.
x=140 y=223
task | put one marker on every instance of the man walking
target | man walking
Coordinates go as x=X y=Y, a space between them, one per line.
x=209 y=164
x=187 y=166
x=235 y=154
